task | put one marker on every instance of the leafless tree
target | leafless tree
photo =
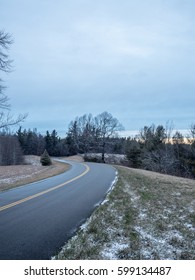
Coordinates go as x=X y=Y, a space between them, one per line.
x=5 y=41
x=6 y=119
x=5 y=65
x=82 y=132
x=169 y=130
x=10 y=150
x=88 y=133
x=162 y=160
x=107 y=126
x=191 y=137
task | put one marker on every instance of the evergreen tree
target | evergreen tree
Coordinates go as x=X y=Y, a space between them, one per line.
x=134 y=153
x=45 y=159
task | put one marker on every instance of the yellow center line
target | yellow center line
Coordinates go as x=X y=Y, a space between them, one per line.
x=44 y=192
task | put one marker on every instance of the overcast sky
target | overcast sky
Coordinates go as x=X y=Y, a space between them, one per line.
x=134 y=59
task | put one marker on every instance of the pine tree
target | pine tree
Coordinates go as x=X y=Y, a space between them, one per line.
x=45 y=159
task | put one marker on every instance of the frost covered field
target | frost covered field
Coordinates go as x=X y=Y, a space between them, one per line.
x=32 y=170
x=146 y=216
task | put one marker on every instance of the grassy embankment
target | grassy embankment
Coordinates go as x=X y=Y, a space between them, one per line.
x=146 y=216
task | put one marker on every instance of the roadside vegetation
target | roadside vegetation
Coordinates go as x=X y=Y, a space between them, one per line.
x=146 y=216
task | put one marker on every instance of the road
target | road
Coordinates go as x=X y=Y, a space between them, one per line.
x=37 y=219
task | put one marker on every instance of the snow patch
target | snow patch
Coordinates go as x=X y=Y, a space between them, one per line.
x=113 y=183
x=110 y=253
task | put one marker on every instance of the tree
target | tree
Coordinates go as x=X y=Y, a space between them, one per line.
x=106 y=127
x=52 y=143
x=92 y=134
x=133 y=153
x=5 y=41
x=6 y=119
x=152 y=136
x=45 y=159
x=191 y=137
x=54 y=140
x=72 y=138
x=192 y=131
x=81 y=134
x=32 y=142
x=10 y=150
x=87 y=133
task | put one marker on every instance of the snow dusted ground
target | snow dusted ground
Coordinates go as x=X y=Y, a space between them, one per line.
x=146 y=216
x=31 y=170
x=12 y=174
x=109 y=158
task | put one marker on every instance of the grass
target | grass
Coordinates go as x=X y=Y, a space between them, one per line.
x=147 y=216
x=45 y=172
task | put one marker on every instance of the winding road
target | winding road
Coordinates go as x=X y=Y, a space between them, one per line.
x=37 y=219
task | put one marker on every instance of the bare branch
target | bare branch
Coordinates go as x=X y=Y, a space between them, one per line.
x=4 y=101
x=7 y=120
x=5 y=41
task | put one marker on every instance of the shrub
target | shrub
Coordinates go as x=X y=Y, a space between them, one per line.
x=45 y=159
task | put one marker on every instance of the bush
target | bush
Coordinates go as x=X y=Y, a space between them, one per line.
x=45 y=159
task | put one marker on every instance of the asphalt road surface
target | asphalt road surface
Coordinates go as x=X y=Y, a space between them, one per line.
x=37 y=219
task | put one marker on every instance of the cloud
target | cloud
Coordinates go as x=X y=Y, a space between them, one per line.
x=132 y=58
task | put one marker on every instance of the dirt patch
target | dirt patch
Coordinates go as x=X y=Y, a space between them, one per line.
x=31 y=171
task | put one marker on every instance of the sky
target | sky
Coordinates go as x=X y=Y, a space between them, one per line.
x=134 y=59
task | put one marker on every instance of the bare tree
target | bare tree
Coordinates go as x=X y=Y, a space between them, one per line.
x=3 y=100
x=160 y=161
x=88 y=133
x=192 y=133
x=82 y=134
x=107 y=126
x=5 y=42
x=6 y=119
x=5 y=65
x=10 y=150
x=169 y=130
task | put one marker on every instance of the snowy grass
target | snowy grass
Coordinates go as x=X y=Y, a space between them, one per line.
x=146 y=216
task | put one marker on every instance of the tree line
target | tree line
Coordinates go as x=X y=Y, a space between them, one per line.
x=85 y=134
x=155 y=148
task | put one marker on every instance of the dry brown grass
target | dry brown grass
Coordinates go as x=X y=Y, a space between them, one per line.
x=75 y=158
x=13 y=176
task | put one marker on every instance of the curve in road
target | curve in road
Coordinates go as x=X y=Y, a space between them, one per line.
x=38 y=218
x=43 y=192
